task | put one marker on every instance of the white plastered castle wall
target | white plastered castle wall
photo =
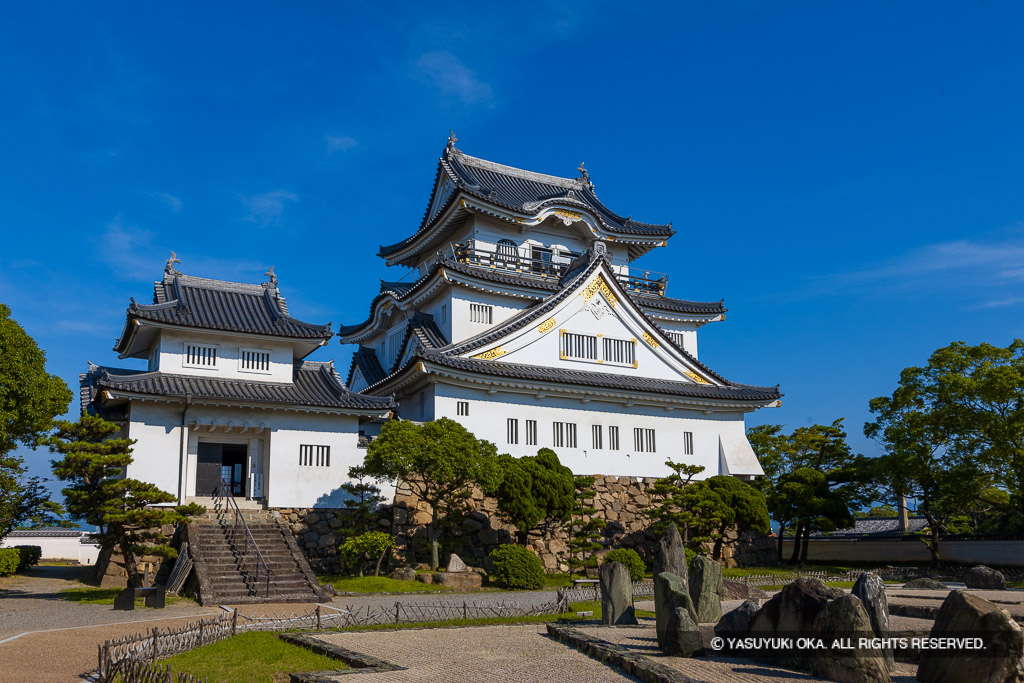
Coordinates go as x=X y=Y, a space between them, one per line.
x=488 y=415
x=172 y=356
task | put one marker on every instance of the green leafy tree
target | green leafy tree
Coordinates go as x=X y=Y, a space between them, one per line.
x=93 y=466
x=585 y=526
x=363 y=498
x=536 y=492
x=885 y=511
x=439 y=461
x=804 y=498
x=742 y=506
x=680 y=503
x=30 y=398
x=373 y=544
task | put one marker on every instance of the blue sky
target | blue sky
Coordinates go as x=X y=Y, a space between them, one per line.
x=847 y=176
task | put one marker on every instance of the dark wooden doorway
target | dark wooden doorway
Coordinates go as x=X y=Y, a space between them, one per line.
x=216 y=461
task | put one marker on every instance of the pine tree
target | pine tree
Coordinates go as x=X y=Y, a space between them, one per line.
x=585 y=526
x=364 y=498
x=93 y=465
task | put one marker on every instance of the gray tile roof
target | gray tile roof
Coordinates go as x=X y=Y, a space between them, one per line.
x=315 y=384
x=522 y=191
x=366 y=360
x=875 y=526
x=402 y=290
x=202 y=303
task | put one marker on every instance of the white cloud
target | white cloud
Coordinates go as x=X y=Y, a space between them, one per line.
x=453 y=78
x=1002 y=303
x=340 y=143
x=267 y=208
x=127 y=249
x=174 y=203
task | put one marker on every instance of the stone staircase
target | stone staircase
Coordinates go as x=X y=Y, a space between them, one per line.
x=227 y=576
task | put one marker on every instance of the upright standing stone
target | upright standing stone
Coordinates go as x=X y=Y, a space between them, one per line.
x=871 y=590
x=984 y=577
x=964 y=614
x=671 y=555
x=455 y=564
x=706 y=589
x=683 y=637
x=616 y=594
x=845 y=619
x=669 y=594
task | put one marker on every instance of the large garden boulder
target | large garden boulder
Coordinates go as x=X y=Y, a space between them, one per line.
x=984 y=577
x=846 y=619
x=616 y=594
x=706 y=589
x=736 y=624
x=741 y=590
x=794 y=609
x=458 y=580
x=403 y=574
x=670 y=593
x=682 y=637
x=926 y=584
x=455 y=564
x=671 y=556
x=963 y=614
x=870 y=589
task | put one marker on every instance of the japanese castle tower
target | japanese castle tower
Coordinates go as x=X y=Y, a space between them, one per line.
x=527 y=323
x=227 y=395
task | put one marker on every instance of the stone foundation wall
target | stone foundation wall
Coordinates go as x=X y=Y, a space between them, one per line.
x=319 y=532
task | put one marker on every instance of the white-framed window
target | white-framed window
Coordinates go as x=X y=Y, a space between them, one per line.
x=481 y=313
x=314 y=456
x=677 y=338
x=201 y=355
x=613 y=438
x=596 y=440
x=512 y=430
x=558 y=434
x=531 y=432
x=619 y=351
x=254 y=360
x=462 y=407
x=579 y=346
x=687 y=443
x=643 y=440
x=597 y=349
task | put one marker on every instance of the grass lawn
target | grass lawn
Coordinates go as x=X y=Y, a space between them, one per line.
x=377 y=584
x=105 y=596
x=251 y=658
x=1015 y=584
x=739 y=572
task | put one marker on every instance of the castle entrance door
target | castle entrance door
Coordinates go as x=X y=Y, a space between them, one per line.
x=217 y=461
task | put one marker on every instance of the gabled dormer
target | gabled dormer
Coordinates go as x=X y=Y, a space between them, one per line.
x=214 y=328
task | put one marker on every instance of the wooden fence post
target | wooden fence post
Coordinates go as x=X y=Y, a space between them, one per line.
x=234 y=621
x=155 y=631
x=170 y=679
x=318 y=617
x=398 y=606
x=201 y=631
x=464 y=610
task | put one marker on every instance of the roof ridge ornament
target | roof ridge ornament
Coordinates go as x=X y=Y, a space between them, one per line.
x=585 y=175
x=452 y=140
x=273 y=278
x=169 y=266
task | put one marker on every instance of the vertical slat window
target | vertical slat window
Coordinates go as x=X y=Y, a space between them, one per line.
x=200 y=356
x=314 y=456
x=462 y=408
x=579 y=346
x=558 y=434
x=613 y=438
x=254 y=360
x=651 y=448
x=512 y=429
x=619 y=351
x=687 y=443
x=570 y=435
x=638 y=439
x=531 y=432
x=676 y=337
x=481 y=313
x=643 y=440
x=596 y=440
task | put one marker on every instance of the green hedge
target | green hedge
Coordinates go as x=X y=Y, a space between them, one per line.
x=10 y=559
x=516 y=567
x=631 y=559
x=30 y=555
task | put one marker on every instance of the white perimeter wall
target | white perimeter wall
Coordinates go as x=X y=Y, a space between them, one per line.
x=488 y=414
x=273 y=451
x=57 y=547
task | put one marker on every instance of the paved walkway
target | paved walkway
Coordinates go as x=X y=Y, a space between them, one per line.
x=488 y=654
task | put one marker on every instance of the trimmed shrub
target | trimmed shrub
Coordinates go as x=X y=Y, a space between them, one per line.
x=10 y=558
x=690 y=554
x=630 y=558
x=30 y=555
x=516 y=567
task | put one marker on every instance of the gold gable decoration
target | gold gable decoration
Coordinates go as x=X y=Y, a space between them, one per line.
x=490 y=355
x=599 y=284
x=695 y=377
x=546 y=326
x=651 y=341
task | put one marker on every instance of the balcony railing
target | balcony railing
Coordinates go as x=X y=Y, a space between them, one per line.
x=544 y=264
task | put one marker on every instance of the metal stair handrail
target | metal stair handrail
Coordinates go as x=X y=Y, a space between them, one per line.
x=224 y=497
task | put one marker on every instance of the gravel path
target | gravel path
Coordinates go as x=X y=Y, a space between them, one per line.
x=489 y=654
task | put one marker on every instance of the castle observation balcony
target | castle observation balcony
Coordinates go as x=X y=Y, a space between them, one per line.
x=547 y=264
